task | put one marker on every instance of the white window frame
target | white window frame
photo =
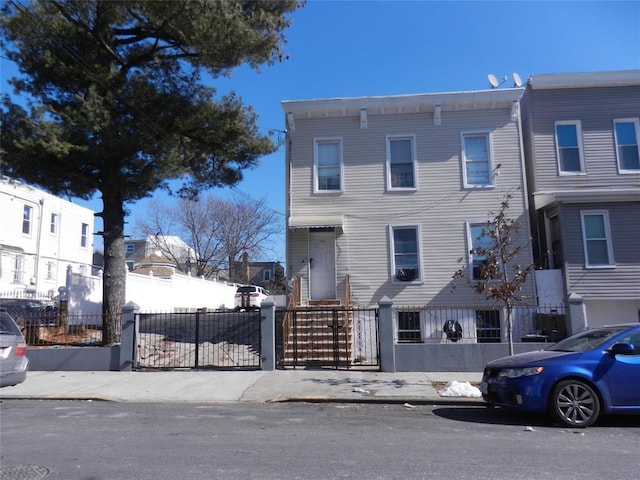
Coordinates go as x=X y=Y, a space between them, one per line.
x=477 y=133
x=471 y=246
x=266 y=275
x=53 y=225
x=580 y=146
x=392 y=254
x=129 y=248
x=412 y=138
x=51 y=271
x=327 y=140
x=84 y=235
x=636 y=124
x=27 y=219
x=607 y=231
x=18 y=269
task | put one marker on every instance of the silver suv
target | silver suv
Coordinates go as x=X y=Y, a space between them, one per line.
x=13 y=359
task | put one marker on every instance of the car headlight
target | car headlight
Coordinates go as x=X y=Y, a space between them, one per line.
x=520 y=372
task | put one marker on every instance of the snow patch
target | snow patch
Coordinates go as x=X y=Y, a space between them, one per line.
x=460 y=389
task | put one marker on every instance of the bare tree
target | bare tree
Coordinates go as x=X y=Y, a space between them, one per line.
x=218 y=230
x=499 y=276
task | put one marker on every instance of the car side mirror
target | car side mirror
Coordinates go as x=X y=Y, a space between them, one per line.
x=621 y=349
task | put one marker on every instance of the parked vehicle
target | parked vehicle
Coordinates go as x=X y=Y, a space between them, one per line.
x=30 y=312
x=575 y=380
x=250 y=297
x=14 y=363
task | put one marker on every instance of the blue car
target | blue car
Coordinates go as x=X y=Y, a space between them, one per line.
x=575 y=380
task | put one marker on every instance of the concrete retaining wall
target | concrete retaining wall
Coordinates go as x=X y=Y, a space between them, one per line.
x=454 y=358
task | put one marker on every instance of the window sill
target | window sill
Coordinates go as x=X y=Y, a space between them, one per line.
x=572 y=174
x=600 y=267
x=412 y=282
x=402 y=190
x=629 y=172
x=328 y=192
x=479 y=187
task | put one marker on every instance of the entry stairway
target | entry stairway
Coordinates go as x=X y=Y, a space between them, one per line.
x=320 y=334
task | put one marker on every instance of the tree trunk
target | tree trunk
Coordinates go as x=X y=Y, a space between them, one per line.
x=115 y=275
x=510 y=328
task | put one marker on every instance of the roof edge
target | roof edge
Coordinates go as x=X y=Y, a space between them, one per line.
x=619 y=78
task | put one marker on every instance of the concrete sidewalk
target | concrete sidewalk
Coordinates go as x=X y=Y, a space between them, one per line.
x=242 y=386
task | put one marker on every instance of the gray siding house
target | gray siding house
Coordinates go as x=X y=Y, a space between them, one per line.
x=386 y=194
x=581 y=141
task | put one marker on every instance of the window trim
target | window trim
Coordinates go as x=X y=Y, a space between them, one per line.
x=392 y=254
x=488 y=134
x=316 y=142
x=608 y=238
x=129 y=248
x=578 y=125
x=636 y=124
x=84 y=235
x=414 y=161
x=470 y=247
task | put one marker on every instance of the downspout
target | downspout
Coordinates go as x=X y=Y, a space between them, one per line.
x=525 y=192
x=38 y=240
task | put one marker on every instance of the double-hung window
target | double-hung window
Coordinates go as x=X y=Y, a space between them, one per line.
x=569 y=147
x=401 y=162
x=328 y=165
x=596 y=239
x=27 y=217
x=626 y=135
x=476 y=159
x=405 y=253
x=18 y=270
x=84 y=232
x=53 y=225
x=479 y=238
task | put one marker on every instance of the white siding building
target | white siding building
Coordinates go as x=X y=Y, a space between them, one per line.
x=41 y=235
x=385 y=194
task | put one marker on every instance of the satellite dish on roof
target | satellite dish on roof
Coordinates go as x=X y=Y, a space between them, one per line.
x=517 y=81
x=493 y=81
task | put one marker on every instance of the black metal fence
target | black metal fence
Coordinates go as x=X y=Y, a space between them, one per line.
x=222 y=340
x=479 y=324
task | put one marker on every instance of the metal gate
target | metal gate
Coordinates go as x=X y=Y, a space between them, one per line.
x=223 y=340
x=329 y=337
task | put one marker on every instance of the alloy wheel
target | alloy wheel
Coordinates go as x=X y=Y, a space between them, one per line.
x=575 y=404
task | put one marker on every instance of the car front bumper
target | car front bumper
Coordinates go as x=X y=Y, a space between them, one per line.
x=525 y=393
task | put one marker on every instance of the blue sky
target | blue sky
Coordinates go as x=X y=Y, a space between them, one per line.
x=360 y=48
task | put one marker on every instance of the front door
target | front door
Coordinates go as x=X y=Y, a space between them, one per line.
x=322 y=265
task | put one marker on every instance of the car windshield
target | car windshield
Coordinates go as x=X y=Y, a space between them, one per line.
x=586 y=340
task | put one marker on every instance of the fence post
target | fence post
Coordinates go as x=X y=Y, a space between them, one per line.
x=577 y=313
x=128 y=337
x=385 y=331
x=268 y=334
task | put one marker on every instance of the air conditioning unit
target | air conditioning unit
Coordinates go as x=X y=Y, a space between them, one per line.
x=406 y=274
